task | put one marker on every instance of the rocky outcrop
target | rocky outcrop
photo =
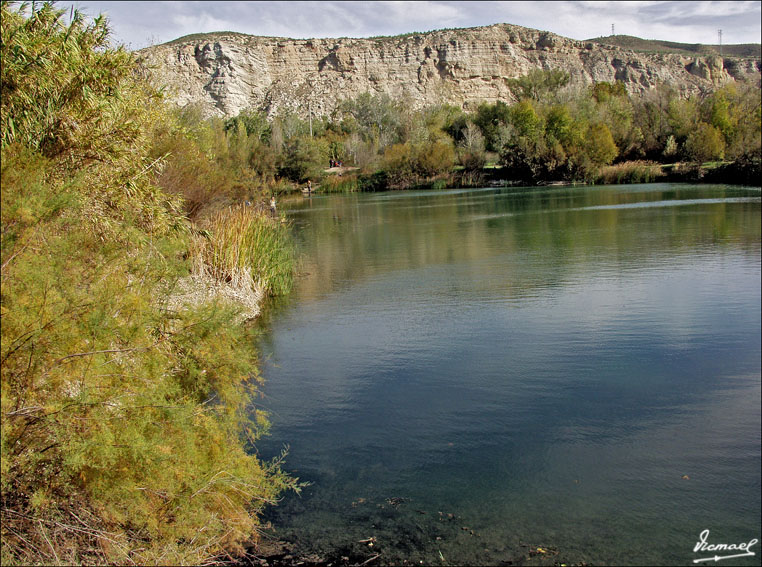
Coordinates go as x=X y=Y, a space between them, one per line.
x=229 y=72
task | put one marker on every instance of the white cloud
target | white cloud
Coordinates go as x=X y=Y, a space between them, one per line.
x=689 y=22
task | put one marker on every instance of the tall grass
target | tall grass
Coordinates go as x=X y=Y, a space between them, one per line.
x=630 y=172
x=246 y=247
x=340 y=184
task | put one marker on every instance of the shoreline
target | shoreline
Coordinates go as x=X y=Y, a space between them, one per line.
x=630 y=172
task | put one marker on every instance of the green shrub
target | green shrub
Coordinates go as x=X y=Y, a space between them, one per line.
x=303 y=158
x=373 y=182
x=434 y=158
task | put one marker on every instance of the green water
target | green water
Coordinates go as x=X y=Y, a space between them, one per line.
x=539 y=366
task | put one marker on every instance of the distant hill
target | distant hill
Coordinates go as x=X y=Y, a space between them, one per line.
x=661 y=46
x=227 y=72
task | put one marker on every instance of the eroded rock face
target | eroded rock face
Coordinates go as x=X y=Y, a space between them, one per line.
x=229 y=72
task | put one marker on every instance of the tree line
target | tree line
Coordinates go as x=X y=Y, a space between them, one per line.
x=552 y=133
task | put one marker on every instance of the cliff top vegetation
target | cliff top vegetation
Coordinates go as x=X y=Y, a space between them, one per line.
x=743 y=50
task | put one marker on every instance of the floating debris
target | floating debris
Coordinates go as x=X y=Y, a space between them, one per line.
x=539 y=550
x=396 y=501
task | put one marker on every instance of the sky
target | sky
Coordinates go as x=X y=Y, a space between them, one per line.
x=139 y=24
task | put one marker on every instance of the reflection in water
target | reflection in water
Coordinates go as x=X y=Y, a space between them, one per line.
x=535 y=365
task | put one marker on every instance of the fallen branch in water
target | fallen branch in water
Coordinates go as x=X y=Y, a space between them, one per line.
x=376 y=556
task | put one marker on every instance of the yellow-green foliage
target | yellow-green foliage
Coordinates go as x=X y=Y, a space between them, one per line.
x=124 y=417
x=434 y=158
x=407 y=164
x=705 y=143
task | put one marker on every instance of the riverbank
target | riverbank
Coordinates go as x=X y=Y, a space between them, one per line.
x=740 y=172
x=278 y=553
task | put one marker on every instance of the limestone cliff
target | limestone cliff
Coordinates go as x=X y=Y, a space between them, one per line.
x=228 y=72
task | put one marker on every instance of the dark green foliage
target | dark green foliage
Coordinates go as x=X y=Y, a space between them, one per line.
x=746 y=170
x=377 y=181
x=302 y=158
x=490 y=118
x=533 y=160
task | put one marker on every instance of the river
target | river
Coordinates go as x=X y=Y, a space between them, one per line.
x=465 y=376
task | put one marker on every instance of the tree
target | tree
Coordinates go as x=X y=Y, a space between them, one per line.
x=603 y=91
x=651 y=123
x=375 y=115
x=255 y=124
x=399 y=164
x=434 y=157
x=615 y=109
x=599 y=144
x=490 y=118
x=525 y=119
x=561 y=126
x=705 y=143
x=302 y=158
x=683 y=116
x=531 y=159
x=471 y=148
x=539 y=84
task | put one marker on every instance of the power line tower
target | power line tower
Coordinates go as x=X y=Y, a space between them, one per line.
x=719 y=39
x=612 y=29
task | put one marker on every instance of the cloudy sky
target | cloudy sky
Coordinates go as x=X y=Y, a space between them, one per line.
x=138 y=24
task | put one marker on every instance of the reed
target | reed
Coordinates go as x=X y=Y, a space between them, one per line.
x=246 y=247
x=340 y=184
x=630 y=172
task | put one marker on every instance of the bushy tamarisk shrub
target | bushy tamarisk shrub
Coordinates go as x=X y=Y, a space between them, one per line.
x=124 y=417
